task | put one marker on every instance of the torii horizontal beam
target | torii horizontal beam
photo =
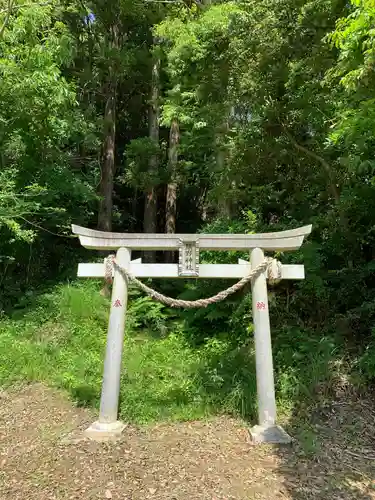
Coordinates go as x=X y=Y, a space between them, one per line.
x=139 y=270
x=280 y=241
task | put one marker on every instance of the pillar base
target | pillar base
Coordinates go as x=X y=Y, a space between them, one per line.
x=101 y=431
x=271 y=433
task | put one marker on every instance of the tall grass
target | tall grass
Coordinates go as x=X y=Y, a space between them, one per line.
x=59 y=339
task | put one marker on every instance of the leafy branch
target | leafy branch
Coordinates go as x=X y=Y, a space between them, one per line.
x=319 y=159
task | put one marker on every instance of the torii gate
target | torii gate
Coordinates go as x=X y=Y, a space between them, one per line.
x=108 y=426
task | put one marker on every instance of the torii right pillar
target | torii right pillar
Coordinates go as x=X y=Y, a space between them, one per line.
x=267 y=431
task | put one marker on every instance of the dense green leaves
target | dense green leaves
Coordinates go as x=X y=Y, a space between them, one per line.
x=41 y=125
x=274 y=102
x=354 y=37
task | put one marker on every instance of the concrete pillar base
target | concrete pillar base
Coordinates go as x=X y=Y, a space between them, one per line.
x=100 y=431
x=272 y=434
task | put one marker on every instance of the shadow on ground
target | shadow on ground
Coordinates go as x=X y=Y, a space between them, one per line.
x=334 y=454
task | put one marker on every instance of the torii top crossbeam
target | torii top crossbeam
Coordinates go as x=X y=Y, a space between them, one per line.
x=280 y=241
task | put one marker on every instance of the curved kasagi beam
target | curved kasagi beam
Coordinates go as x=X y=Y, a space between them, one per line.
x=281 y=241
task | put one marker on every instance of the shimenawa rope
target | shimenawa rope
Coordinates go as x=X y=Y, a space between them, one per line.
x=273 y=272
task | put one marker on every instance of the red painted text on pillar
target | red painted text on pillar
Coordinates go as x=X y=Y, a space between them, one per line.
x=261 y=305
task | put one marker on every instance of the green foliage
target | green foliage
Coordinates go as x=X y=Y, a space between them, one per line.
x=366 y=362
x=354 y=39
x=59 y=339
x=294 y=348
x=42 y=135
x=137 y=160
x=147 y=314
x=39 y=117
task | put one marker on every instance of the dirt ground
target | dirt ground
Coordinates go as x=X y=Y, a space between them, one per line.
x=211 y=460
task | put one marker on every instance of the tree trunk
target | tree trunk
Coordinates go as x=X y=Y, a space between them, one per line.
x=8 y=11
x=225 y=201
x=108 y=165
x=108 y=157
x=150 y=209
x=171 y=198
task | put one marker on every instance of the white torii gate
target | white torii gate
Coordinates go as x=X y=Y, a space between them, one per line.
x=108 y=426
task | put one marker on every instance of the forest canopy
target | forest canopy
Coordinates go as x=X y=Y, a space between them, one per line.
x=186 y=116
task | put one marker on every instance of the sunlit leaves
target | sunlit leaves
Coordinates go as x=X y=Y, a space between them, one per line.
x=354 y=38
x=39 y=119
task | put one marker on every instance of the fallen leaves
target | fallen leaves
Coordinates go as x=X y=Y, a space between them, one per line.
x=185 y=461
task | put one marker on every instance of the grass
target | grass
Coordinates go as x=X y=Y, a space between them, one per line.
x=59 y=339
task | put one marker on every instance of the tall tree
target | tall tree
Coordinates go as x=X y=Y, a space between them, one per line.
x=111 y=34
x=172 y=186
x=109 y=140
x=122 y=33
x=151 y=205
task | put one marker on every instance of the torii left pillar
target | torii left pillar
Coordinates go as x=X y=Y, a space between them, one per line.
x=108 y=426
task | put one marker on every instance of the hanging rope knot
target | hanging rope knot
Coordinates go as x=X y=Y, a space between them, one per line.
x=271 y=266
x=108 y=268
x=273 y=270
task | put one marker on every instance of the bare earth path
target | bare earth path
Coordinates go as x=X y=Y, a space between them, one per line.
x=196 y=461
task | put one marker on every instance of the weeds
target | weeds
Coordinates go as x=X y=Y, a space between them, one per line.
x=60 y=340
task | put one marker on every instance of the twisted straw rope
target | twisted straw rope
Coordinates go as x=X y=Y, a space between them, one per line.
x=110 y=264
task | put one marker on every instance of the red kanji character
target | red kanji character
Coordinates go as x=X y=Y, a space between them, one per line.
x=117 y=303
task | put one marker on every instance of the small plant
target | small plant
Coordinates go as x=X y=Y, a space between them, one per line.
x=366 y=361
x=143 y=313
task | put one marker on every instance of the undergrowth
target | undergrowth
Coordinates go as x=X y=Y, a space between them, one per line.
x=59 y=338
